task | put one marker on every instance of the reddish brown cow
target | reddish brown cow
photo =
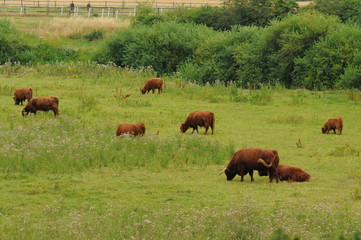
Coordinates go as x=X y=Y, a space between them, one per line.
x=199 y=118
x=134 y=129
x=42 y=104
x=247 y=160
x=333 y=124
x=21 y=94
x=292 y=174
x=152 y=84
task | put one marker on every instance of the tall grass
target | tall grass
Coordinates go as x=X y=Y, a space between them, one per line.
x=64 y=145
x=65 y=27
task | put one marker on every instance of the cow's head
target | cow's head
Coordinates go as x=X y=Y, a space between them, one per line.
x=143 y=91
x=230 y=175
x=323 y=129
x=25 y=112
x=183 y=127
x=263 y=172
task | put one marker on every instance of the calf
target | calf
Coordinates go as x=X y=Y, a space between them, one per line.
x=134 y=129
x=42 y=104
x=199 y=118
x=292 y=174
x=333 y=124
x=22 y=94
x=152 y=84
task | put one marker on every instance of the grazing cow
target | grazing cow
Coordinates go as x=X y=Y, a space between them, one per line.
x=333 y=124
x=21 y=94
x=134 y=129
x=152 y=84
x=247 y=160
x=42 y=104
x=292 y=174
x=199 y=118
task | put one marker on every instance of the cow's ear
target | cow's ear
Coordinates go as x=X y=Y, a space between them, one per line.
x=275 y=152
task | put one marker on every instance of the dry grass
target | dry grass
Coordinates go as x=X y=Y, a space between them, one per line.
x=63 y=27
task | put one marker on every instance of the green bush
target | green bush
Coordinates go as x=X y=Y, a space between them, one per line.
x=163 y=46
x=145 y=15
x=352 y=74
x=11 y=42
x=271 y=57
x=214 y=58
x=97 y=34
x=234 y=12
x=325 y=62
x=346 y=10
x=44 y=53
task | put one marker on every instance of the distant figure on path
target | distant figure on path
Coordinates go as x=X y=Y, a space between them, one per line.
x=88 y=6
x=72 y=6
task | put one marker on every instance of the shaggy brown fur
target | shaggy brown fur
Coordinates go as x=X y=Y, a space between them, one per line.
x=199 y=118
x=292 y=174
x=134 y=129
x=152 y=84
x=21 y=94
x=42 y=104
x=247 y=160
x=333 y=124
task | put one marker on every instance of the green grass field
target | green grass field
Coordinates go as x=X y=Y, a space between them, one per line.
x=71 y=178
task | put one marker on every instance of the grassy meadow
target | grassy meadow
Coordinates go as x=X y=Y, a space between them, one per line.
x=71 y=178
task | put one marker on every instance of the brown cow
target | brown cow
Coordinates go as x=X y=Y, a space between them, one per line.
x=21 y=94
x=42 y=104
x=333 y=124
x=134 y=129
x=152 y=84
x=247 y=160
x=199 y=118
x=292 y=174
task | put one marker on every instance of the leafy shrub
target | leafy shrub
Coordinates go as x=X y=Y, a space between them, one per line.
x=145 y=15
x=326 y=61
x=163 y=46
x=214 y=58
x=94 y=35
x=234 y=12
x=271 y=57
x=44 y=53
x=11 y=42
x=346 y=10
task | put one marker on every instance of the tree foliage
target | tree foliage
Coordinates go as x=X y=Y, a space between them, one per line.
x=11 y=42
x=162 y=46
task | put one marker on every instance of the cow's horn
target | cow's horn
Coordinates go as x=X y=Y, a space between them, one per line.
x=261 y=161
x=223 y=171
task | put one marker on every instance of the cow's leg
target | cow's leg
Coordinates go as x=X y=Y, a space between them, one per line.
x=153 y=90
x=197 y=129
x=334 y=130
x=206 y=129
x=339 y=131
x=251 y=174
x=242 y=176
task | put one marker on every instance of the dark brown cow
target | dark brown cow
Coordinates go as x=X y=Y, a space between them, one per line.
x=134 y=129
x=292 y=174
x=21 y=94
x=247 y=160
x=199 y=118
x=152 y=84
x=333 y=124
x=42 y=104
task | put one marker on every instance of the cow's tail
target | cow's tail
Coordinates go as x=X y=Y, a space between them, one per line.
x=213 y=120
